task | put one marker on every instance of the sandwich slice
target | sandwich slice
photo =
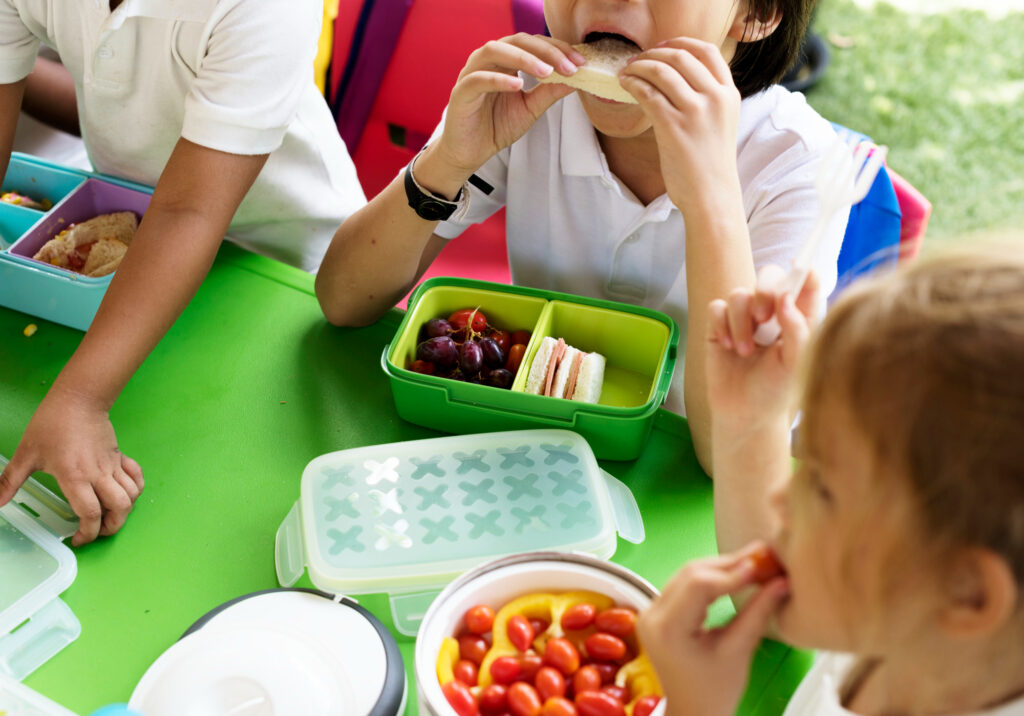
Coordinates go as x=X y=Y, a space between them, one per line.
x=561 y=371
x=600 y=75
x=94 y=247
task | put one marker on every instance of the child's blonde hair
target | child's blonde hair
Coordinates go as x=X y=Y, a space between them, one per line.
x=929 y=362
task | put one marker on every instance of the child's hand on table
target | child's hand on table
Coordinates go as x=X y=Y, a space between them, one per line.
x=74 y=441
x=702 y=670
x=686 y=88
x=746 y=381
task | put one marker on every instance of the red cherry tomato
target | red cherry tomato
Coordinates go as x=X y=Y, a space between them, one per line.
x=539 y=626
x=472 y=647
x=558 y=706
x=646 y=705
x=529 y=665
x=494 y=699
x=505 y=669
x=515 y=357
x=618 y=621
x=561 y=654
x=479 y=619
x=520 y=633
x=422 y=366
x=462 y=318
x=503 y=339
x=605 y=647
x=579 y=616
x=598 y=703
x=586 y=678
x=466 y=672
x=608 y=672
x=549 y=682
x=766 y=564
x=521 y=336
x=619 y=693
x=523 y=699
x=460 y=698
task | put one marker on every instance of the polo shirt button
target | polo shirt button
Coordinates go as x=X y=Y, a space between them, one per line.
x=105 y=52
x=632 y=239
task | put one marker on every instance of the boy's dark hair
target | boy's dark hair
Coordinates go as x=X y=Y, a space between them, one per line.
x=756 y=66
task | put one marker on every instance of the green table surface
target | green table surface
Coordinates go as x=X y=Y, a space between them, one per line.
x=248 y=386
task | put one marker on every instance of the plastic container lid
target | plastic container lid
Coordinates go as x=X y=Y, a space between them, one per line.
x=16 y=699
x=282 y=651
x=406 y=518
x=35 y=567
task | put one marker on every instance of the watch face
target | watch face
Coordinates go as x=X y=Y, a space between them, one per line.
x=434 y=210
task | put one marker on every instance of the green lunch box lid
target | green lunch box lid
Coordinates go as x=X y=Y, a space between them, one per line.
x=35 y=567
x=406 y=518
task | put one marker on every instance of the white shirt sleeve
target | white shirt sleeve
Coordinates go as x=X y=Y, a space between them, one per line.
x=18 y=46
x=257 y=65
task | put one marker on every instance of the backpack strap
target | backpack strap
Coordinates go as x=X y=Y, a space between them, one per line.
x=528 y=16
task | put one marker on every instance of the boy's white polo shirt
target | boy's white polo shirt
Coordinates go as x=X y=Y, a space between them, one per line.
x=572 y=226
x=232 y=75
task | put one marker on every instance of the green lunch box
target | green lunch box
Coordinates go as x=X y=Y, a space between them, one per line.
x=639 y=345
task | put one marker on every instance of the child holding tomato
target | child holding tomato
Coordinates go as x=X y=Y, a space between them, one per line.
x=901 y=533
x=667 y=203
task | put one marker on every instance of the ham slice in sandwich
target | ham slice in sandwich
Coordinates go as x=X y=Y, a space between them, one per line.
x=561 y=371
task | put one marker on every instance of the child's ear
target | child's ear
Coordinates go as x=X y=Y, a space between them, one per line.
x=981 y=594
x=749 y=27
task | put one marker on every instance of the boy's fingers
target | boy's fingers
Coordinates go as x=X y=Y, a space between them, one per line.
x=718 y=324
x=697 y=585
x=769 y=280
x=795 y=331
x=741 y=327
x=744 y=632
x=134 y=471
x=807 y=300
x=127 y=484
x=13 y=477
x=709 y=54
x=86 y=504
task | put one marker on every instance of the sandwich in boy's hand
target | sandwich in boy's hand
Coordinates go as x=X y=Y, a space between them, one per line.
x=600 y=75
x=94 y=247
x=561 y=371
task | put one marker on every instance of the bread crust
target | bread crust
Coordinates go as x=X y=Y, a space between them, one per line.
x=600 y=75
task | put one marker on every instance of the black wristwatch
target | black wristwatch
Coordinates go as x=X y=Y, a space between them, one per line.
x=429 y=206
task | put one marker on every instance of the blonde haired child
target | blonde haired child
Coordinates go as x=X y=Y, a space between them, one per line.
x=901 y=533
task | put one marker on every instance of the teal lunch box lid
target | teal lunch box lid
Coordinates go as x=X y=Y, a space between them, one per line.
x=639 y=344
x=406 y=518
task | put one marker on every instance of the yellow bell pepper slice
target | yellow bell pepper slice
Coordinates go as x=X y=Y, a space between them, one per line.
x=447 y=658
x=640 y=678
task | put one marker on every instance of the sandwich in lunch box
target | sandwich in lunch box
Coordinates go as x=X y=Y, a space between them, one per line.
x=561 y=371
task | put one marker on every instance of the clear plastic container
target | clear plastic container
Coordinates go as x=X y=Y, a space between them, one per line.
x=407 y=518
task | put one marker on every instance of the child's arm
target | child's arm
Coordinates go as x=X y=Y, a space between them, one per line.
x=10 y=102
x=381 y=251
x=752 y=395
x=704 y=671
x=694 y=109
x=50 y=96
x=70 y=435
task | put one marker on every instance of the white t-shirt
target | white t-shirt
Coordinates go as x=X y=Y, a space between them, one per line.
x=231 y=75
x=572 y=226
x=818 y=693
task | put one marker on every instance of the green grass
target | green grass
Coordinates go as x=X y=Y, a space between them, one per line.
x=946 y=93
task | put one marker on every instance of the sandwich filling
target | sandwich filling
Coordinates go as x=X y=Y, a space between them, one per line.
x=556 y=357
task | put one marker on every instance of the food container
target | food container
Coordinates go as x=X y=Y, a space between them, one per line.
x=36 y=287
x=406 y=518
x=500 y=581
x=35 y=567
x=16 y=699
x=639 y=345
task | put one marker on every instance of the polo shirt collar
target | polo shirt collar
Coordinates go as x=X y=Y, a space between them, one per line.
x=195 y=10
x=580 y=153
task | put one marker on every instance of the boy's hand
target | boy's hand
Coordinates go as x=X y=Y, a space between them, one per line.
x=704 y=671
x=747 y=382
x=686 y=88
x=488 y=109
x=75 y=442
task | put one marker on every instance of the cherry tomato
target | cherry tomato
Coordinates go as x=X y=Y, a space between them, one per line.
x=558 y=706
x=617 y=620
x=522 y=336
x=472 y=647
x=422 y=366
x=460 y=698
x=503 y=339
x=523 y=699
x=586 y=678
x=766 y=564
x=549 y=682
x=539 y=626
x=466 y=672
x=515 y=357
x=462 y=318
x=578 y=616
x=605 y=647
x=598 y=703
x=646 y=705
x=561 y=654
x=479 y=619
x=520 y=633
x=529 y=665
x=505 y=669
x=619 y=693
x=494 y=699
x=608 y=672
